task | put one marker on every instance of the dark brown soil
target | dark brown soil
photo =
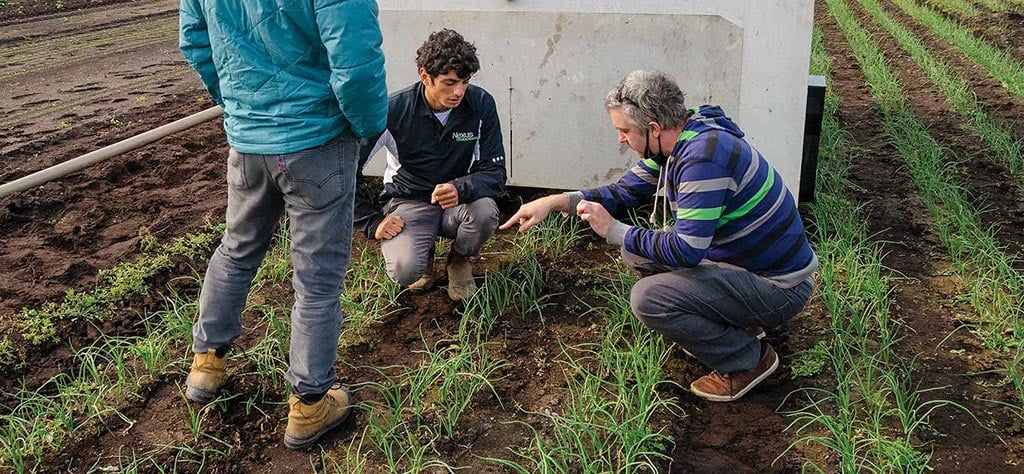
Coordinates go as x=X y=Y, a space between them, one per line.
x=15 y=11
x=1004 y=30
x=57 y=104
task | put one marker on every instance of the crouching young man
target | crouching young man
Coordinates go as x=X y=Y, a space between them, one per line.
x=736 y=258
x=445 y=166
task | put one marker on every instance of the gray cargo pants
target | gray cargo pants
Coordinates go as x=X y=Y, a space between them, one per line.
x=705 y=309
x=316 y=188
x=408 y=253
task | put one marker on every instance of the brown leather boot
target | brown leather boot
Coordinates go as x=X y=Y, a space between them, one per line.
x=460 y=277
x=307 y=423
x=728 y=387
x=209 y=371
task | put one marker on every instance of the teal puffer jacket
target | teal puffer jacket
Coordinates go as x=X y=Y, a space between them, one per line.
x=290 y=74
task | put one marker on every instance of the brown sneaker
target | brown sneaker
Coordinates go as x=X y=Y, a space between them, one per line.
x=209 y=371
x=728 y=387
x=460 y=277
x=307 y=423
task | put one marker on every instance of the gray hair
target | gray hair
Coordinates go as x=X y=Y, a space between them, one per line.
x=648 y=96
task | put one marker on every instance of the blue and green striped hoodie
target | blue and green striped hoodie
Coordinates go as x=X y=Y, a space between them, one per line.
x=730 y=205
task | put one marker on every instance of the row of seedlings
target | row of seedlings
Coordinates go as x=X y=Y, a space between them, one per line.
x=999 y=64
x=955 y=7
x=117 y=372
x=992 y=285
x=1007 y=149
x=614 y=394
x=614 y=387
x=419 y=406
x=868 y=420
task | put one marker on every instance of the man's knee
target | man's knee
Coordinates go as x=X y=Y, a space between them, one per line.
x=643 y=300
x=658 y=302
x=406 y=271
x=484 y=212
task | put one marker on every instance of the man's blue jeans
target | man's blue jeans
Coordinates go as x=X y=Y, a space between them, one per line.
x=705 y=309
x=316 y=188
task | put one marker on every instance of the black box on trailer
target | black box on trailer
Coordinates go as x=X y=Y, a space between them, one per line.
x=812 y=136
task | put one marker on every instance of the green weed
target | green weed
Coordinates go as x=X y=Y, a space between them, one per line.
x=809 y=362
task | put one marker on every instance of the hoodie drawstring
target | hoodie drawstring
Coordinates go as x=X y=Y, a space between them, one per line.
x=662 y=187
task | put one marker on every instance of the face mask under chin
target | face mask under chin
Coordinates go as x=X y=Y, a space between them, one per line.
x=649 y=154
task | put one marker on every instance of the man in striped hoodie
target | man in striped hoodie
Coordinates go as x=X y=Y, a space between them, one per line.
x=734 y=260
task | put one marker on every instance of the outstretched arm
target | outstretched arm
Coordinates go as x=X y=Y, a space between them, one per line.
x=534 y=212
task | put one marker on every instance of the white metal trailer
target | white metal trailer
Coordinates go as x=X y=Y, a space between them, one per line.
x=549 y=64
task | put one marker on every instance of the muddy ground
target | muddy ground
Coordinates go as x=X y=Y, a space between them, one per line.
x=90 y=73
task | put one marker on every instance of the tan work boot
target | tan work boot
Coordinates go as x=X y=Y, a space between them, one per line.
x=209 y=371
x=728 y=387
x=307 y=423
x=460 y=277
x=429 y=278
x=427 y=281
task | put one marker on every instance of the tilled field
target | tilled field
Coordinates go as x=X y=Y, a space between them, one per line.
x=548 y=372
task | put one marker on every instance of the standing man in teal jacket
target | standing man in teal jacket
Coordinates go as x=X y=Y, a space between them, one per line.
x=302 y=86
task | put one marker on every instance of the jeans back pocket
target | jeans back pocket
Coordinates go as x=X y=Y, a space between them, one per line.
x=320 y=176
x=236 y=170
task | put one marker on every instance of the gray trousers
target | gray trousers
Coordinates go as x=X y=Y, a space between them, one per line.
x=316 y=188
x=408 y=253
x=706 y=308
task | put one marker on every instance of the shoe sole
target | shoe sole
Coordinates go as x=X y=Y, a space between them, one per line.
x=199 y=395
x=720 y=398
x=304 y=443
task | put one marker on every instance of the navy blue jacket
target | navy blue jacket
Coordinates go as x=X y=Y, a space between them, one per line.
x=467 y=151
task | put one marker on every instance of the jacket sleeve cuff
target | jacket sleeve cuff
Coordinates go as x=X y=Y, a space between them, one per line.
x=574 y=199
x=617 y=233
x=371 y=227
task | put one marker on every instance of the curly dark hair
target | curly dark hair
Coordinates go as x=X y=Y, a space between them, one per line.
x=447 y=50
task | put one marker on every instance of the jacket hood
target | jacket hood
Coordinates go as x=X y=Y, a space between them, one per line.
x=711 y=117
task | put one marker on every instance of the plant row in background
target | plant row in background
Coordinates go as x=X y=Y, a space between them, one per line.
x=991 y=284
x=999 y=64
x=958 y=91
x=22 y=59
x=997 y=5
x=955 y=7
x=116 y=287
